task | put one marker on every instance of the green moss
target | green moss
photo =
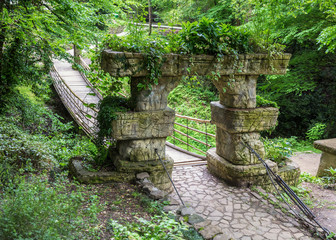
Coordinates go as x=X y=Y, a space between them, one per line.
x=109 y=106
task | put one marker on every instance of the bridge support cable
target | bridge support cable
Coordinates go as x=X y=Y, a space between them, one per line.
x=171 y=180
x=278 y=182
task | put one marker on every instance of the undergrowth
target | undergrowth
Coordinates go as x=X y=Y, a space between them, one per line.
x=38 y=201
x=35 y=209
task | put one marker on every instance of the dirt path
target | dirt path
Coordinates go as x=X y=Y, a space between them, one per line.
x=323 y=205
x=323 y=201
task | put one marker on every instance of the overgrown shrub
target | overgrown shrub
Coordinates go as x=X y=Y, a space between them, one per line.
x=109 y=106
x=316 y=131
x=278 y=149
x=36 y=210
x=34 y=138
x=158 y=228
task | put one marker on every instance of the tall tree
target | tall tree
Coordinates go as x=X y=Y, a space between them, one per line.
x=307 y=94
x=33 y=31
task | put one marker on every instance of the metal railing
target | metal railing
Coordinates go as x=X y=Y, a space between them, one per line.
x=81 y=112
x=188 y=129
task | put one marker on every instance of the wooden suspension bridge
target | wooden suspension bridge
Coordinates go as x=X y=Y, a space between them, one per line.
x=81 y=100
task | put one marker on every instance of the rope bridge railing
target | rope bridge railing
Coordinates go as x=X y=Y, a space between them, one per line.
x=86 y=68
x=84 y=114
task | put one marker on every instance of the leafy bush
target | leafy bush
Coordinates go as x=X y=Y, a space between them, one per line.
x=316 y=132
x=206 y=36
x=262 y=102
x=27 y=148
x=109 y=106
x=331 y=178
x=278 y=149
x=19 y=154
x=158 y=228
x=35 y=210
x=307 y=177
x=29 y=112
x=325 y=180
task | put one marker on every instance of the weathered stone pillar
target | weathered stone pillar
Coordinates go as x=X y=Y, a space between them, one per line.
x=238 y=120
x=139 y=135
x=142 y=133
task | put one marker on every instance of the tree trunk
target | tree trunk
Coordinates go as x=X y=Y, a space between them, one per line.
x=150 y=16
x=2 y=36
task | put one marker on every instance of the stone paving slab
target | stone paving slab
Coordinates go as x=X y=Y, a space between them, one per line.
x=235 y=210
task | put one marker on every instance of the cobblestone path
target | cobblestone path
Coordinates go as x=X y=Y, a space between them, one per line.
x=238 y=212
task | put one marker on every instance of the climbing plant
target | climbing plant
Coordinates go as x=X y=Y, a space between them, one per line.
x=109 y=106
x=205 y=36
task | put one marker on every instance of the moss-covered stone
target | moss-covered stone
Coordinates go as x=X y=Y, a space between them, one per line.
x=290 y=173
x=235 y=120
x=82 y=175
x=143 y=125
x=141 y=150
x=238 y=91
x=131 y=64
x=155 y=97
x=232 y=147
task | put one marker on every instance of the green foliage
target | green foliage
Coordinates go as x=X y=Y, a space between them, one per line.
x=102 y=81
x=331 y=178
x=152 y=207
x=316 y=132
x=306 y=177
x=35 y=210
x=305 y=94
x=159 y=227
x=262 y=102
x=290 y=20
x=277 y=150
x=33 y=32
x=108 y=108
x=19 y=154
x=27 y=109
x=222 y=11
x=32 y=138
x=207 y=36
x=179 y=11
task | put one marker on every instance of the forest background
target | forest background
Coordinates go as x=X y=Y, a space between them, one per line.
x=306 y=95
x=33 y=137
x=33 y=31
